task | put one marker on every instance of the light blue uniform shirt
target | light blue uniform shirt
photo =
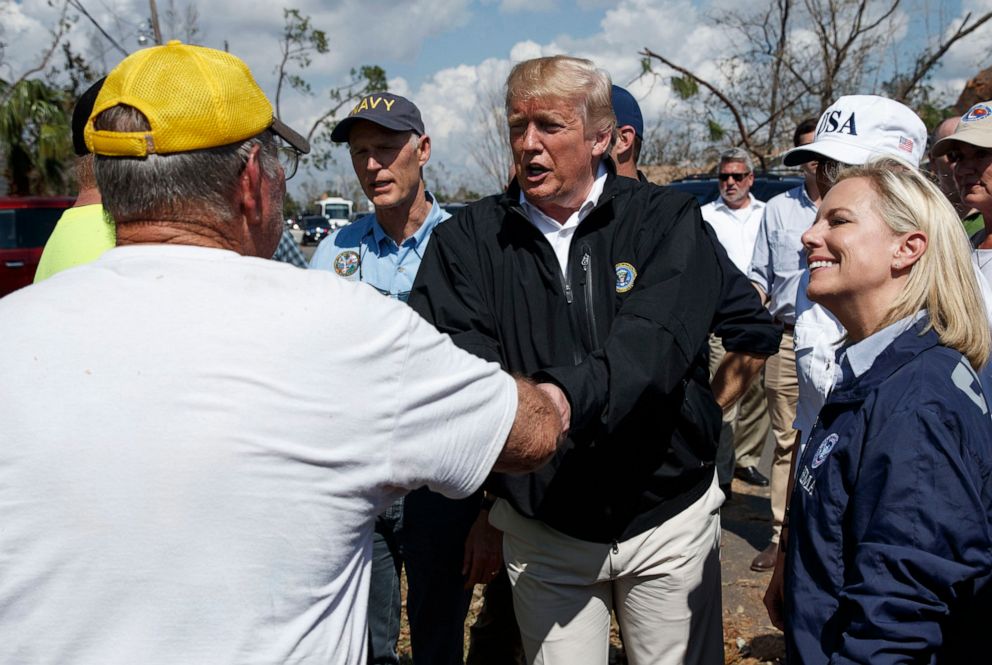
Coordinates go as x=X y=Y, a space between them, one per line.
x=362 y=252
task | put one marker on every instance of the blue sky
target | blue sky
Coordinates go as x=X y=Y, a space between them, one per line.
x=446 y=55
x=491 y=32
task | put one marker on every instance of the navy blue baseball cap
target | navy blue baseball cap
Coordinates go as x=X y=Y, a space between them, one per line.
x=81 y=114
x=627 y=111
x=385 y=109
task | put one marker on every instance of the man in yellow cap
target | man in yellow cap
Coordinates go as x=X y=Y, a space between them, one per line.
x=178 y=482
x=85 y=231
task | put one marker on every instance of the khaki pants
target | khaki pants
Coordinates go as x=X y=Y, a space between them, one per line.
x=745 y=425
x=782 y=388
x=664 y=586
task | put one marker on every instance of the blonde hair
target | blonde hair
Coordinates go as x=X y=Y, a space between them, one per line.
x=943 y=279
x=569 y=79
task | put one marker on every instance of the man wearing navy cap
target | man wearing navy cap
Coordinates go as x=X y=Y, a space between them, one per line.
x=630 y=133
x=389 y=148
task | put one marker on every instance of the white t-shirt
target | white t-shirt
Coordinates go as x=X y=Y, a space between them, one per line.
x=194 y=445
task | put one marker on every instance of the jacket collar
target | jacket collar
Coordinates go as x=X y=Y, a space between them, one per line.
x=903 y=349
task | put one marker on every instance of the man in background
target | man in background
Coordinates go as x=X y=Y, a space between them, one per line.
x=735 y=217
x=84 y=231
x=426 y=531
x=775 y=269
x=942 y=168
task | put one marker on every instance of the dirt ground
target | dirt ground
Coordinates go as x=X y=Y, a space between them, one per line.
x=749 y=638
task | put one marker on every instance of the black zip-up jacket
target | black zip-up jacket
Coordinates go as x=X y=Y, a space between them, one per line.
x=742 y=323
x=622 y=334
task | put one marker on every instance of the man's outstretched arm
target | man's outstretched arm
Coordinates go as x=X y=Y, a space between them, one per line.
x=535 y=433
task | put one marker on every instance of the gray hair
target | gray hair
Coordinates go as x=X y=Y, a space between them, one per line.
x=737 y=155
x=170 y=187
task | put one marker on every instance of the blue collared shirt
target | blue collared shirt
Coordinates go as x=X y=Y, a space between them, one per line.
x=779 y=259
x=363 y=252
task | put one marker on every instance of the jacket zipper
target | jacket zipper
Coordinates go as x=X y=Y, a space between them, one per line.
x=566 y=285
x=587 y=284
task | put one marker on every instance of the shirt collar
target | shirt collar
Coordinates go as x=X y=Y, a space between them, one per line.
x=592 y=199
x=419 y=236
x=751 y=201
x=804 y=198
x=858 y=358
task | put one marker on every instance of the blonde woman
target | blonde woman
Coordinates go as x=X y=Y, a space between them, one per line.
x=890 y=553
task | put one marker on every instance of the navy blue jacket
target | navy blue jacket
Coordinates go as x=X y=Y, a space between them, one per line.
x=890 y=552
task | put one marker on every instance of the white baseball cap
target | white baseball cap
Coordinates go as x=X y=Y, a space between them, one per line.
x=859 y=128
x=975 y=129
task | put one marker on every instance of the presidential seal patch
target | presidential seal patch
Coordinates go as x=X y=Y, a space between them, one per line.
x=626 y=274
x=346 y=263
x=824 y=450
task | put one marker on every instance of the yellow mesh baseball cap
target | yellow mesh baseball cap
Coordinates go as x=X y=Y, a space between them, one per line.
x=194 y=98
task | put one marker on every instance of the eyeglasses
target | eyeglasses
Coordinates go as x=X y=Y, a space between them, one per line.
x=289 y=159
x=736 y=176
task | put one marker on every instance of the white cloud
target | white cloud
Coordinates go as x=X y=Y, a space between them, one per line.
x=451 y=99
x=383 y=31
x=520 y=6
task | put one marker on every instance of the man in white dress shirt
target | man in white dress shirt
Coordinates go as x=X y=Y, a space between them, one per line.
x=776 y=267
x=736 y=217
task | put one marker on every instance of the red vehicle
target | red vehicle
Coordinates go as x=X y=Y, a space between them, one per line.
x=25 y=224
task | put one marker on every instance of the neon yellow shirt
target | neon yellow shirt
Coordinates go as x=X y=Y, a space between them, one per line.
x=81 y=235
x=973 y=223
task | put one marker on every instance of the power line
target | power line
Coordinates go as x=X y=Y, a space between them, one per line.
x=79 y=6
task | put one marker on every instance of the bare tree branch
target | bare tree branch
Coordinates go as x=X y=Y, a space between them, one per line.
x=61 y=27
x=731 y=107
x=929 y=60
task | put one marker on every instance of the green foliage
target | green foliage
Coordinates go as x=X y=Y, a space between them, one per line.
x=300 y=42
x=684 y=86
x=35 y=137
x=716 y=132
x=290 y=207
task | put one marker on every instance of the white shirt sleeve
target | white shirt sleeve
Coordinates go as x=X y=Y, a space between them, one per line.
x=454 y=414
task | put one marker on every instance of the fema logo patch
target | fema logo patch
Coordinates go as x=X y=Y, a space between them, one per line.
x=626 y=274
x=346 y=263
x=824 y=450
x=977 y=112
